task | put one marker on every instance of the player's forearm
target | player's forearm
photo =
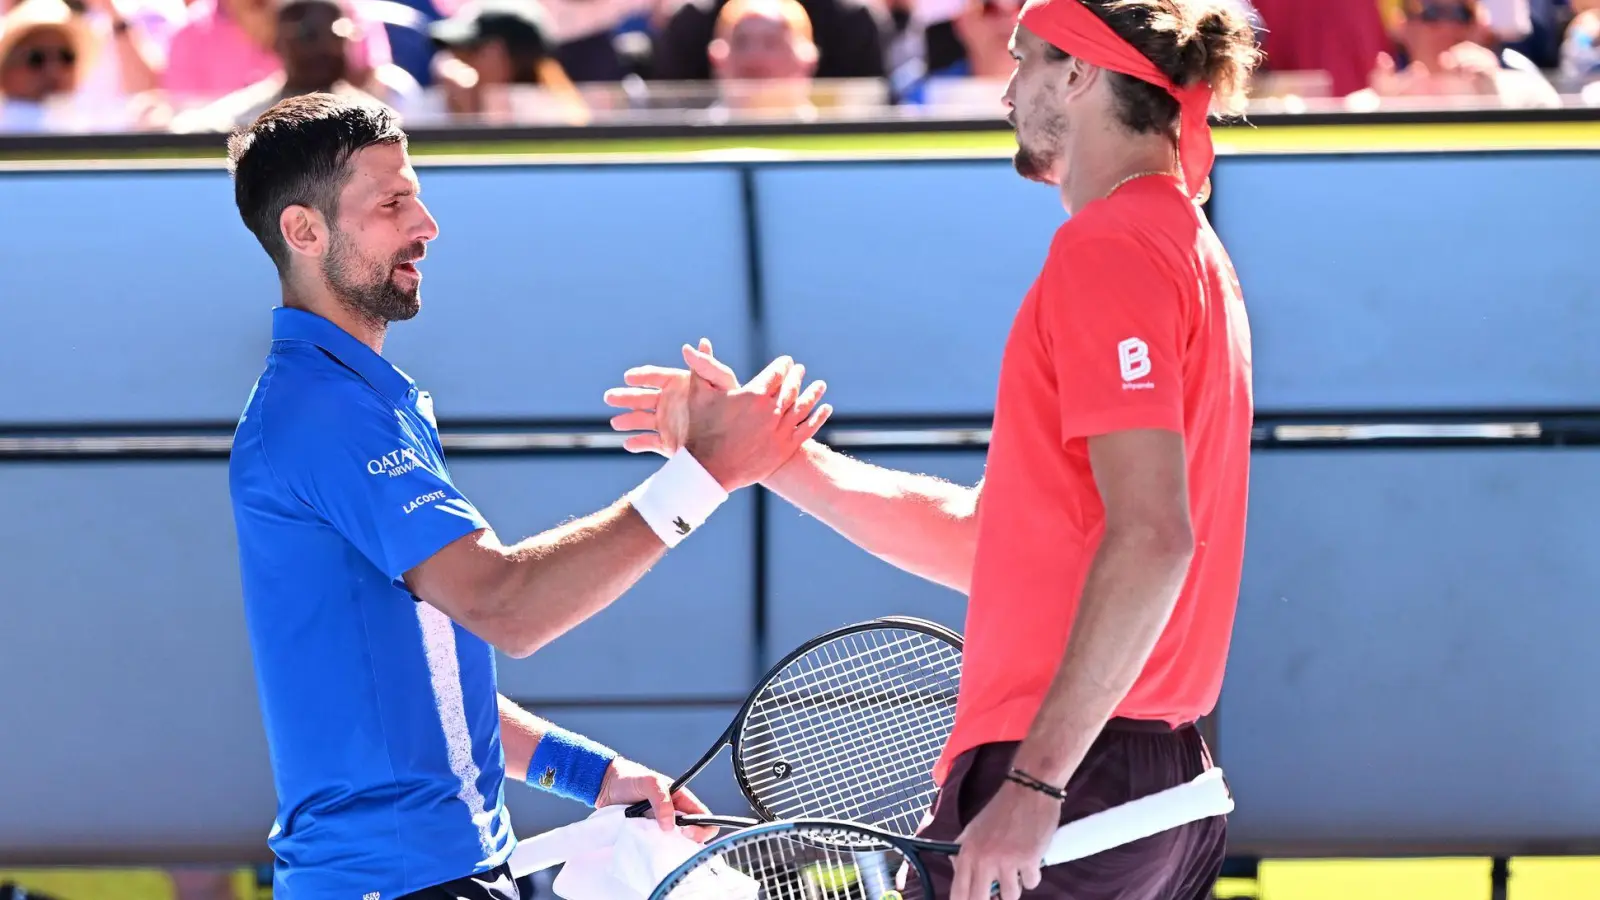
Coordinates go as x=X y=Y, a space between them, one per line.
x=1132 y=587
x=924 y=525
x=520 y=732
x=554 y=581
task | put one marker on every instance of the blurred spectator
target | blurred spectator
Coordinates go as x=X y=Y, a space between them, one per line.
x=1446 y=46
x=1580 y=51
x=136 y=35
x=45 y=47
x=984 y=28
x=583 y=33
x=763 y=56
x=945 y=53
x=905 y=49
x=405 y=28
x=1340 y=37
x=311 y=40
x=493 y=45
x=849 y=36
x=228 y=45
x=1530 y=27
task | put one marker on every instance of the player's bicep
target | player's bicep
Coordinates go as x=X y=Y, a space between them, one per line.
x=1116 y=329
x=1142 y=477
x=463 y=580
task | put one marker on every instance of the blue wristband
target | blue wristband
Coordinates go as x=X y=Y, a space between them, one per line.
x=569 y=765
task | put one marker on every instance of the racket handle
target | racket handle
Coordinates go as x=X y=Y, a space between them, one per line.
x=1206 y=796
x=643 y=811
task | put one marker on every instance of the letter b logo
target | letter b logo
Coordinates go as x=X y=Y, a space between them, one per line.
x=1133 y=357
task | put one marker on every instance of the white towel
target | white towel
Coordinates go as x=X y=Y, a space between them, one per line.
x=624 y=859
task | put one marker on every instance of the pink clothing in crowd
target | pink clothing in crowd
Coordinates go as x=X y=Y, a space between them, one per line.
x=212 y=56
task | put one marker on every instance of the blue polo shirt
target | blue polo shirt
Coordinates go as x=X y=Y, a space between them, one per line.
x=380 y=712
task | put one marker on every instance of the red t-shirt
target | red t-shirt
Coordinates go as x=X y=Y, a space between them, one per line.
x=1136 y=321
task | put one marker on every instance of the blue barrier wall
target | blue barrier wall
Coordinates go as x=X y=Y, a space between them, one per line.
x=1412 y=623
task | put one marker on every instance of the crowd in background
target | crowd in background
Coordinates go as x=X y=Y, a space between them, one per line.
x=199 y=65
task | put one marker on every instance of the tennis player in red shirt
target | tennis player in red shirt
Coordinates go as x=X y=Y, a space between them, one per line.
x=1102 y=551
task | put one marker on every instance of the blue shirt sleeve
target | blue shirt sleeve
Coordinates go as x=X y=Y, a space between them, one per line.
x=370 y=472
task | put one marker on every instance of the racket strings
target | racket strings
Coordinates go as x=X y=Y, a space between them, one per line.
x=851 y=730
x=896 y=762
x=898 y=730
x=805 y=863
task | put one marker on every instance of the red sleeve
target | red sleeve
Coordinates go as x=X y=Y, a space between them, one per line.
x=1116 y=326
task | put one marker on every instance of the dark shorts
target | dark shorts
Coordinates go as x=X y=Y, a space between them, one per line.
x=1129 y=760
x=495 y=884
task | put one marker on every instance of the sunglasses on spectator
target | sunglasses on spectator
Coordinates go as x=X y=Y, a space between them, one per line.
x=38 y=58
x=1444 y=12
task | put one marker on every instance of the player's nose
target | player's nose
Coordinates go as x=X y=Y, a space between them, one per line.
x=427 y=227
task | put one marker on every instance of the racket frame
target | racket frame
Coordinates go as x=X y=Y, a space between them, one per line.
x=730 y=737
x=909 y=847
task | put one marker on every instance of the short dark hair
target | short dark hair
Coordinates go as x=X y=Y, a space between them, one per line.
x=297 y=154
x=1188 y=40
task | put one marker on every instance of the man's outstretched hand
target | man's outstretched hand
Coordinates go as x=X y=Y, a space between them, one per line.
x=696 y=406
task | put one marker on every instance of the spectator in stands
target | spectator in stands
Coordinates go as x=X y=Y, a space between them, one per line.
x=136 y=34
x=849 y=36
x=1341 y=38
x=45 y=47
x=984 y=27
x=228 y=45
x=491 y=45
x=583 y=33
x=764 y=55
x=974 y=78
x=1508 y=21
x=1447 y=44
x=1580 y=51
x=312 y=40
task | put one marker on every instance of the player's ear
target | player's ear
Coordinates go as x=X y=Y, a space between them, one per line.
x=718 y=51
x=1078 y=76
x=304 y=230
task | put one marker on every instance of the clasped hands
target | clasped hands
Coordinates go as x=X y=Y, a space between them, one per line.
x=739 y=433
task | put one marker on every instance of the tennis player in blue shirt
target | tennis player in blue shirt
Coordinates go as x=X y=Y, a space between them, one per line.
x=374 y=591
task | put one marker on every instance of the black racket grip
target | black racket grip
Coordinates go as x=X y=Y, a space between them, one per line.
x=638 y=810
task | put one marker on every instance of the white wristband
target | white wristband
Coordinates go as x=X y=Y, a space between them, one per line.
x=678 y=498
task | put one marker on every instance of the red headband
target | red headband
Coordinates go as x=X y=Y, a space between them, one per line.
x=1075 y=30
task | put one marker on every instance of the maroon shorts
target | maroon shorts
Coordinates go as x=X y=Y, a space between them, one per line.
x=1129 y=760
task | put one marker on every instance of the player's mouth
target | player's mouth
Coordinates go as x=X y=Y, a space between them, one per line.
x=409 y=267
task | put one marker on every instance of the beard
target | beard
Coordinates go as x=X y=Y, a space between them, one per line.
x=367 y=288
x=1039 y=148
x=1032 y=165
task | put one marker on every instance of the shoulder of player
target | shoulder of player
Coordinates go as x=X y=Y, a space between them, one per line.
x=303 y=400
x=1091 y=239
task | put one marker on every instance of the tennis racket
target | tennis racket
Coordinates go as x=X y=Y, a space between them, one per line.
x=818 y=859
x=847 y=726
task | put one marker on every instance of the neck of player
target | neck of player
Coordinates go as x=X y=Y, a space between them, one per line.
x=320 y=300
x=1099 y=158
